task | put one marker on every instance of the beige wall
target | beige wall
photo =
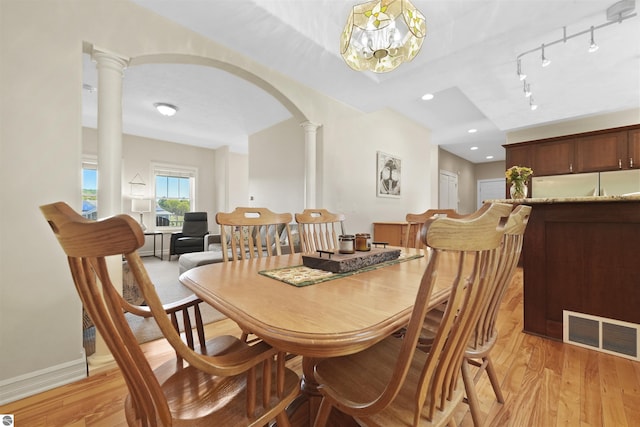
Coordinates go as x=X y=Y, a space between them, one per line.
x=569 y=127
x=349 y=176
x=466 y=180
x=468 y=176
x=276 y=168
x=490 y=170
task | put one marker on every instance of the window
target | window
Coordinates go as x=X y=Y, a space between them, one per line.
x=174 y=194
x=90 y=189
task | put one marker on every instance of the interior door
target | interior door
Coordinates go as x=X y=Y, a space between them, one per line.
x=448 y=194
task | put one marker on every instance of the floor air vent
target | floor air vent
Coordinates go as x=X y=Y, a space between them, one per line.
x=602 y=334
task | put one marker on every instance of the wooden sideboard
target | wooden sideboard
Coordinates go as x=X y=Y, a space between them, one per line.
x=393 y=233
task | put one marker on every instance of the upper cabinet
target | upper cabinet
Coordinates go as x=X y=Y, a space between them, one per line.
x=599 y=151
x=553 y=158
x=518 y=155
x=603 y=152
x=633 y=148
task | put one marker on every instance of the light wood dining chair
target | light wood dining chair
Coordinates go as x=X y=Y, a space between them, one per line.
x=319 y=230
x=394 y=384
x=415 y=221
x=223 y=382
x=250 y=232
x=485 y=334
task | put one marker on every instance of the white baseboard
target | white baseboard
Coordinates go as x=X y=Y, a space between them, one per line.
x=26 y=385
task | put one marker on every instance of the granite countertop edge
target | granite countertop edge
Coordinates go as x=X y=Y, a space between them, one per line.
x=584 y=199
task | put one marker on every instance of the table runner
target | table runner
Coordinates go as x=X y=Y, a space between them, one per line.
x=300 y=275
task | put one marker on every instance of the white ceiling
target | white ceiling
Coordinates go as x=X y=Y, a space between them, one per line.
x=468 y=61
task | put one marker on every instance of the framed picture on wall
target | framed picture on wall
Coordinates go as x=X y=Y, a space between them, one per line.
x=389 y=174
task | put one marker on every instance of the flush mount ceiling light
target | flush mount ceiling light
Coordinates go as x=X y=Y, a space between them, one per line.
x=616 y=13
x=427 y=96
x=166 y=109
x=382 y=34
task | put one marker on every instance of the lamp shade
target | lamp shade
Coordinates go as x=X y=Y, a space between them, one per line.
x=382 y=34
x=140 y=205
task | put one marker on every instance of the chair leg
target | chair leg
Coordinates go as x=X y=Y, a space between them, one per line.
x=472 y=397
x=322 y=416
x=282 y=419
x=494 y=379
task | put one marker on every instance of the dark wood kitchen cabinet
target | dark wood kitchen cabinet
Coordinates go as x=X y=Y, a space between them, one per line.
x=598 y=151
x=581 y=256
x=553 y=158
x=633 y=148
x=603 y=152
x=518 y=155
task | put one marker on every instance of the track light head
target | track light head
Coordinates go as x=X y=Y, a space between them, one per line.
x=593 y=46
x=521 y=75
x=545 y=62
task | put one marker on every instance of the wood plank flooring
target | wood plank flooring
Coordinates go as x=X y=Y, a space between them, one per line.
x=544 y=382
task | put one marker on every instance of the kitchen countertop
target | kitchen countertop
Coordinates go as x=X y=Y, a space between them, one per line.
x=585 y=199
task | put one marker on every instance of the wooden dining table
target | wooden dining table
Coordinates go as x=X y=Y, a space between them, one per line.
x=332 y=318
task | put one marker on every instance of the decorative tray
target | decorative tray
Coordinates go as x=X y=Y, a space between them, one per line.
x=342 y=263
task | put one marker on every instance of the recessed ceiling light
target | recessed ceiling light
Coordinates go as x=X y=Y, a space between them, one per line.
x=489 y=157
x=166 y=109
x=427 y=96
x=473 y=148
x=472 y=130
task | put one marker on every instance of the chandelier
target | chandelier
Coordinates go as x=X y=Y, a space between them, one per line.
x=382 y=34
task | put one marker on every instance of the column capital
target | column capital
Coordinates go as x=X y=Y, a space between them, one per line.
x=106 y=59
x=310 y=126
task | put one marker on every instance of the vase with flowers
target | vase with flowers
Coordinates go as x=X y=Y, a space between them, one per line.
x=517 y=176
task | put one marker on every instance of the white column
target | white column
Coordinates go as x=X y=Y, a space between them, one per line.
x=110 y=72
x=310 y=138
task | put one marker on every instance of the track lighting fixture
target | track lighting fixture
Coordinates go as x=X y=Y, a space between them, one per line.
x=615 y=14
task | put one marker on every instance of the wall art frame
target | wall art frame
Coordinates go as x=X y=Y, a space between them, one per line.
x=388 y=175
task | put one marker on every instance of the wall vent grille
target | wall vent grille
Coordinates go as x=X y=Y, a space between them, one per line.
x=602 y=334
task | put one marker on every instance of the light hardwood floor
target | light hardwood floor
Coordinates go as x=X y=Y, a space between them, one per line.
x=545 y=383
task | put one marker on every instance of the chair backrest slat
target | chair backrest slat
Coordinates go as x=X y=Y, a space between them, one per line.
x=250 y=232
x=415 y=222
x=319 y=230
x=510 y=251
